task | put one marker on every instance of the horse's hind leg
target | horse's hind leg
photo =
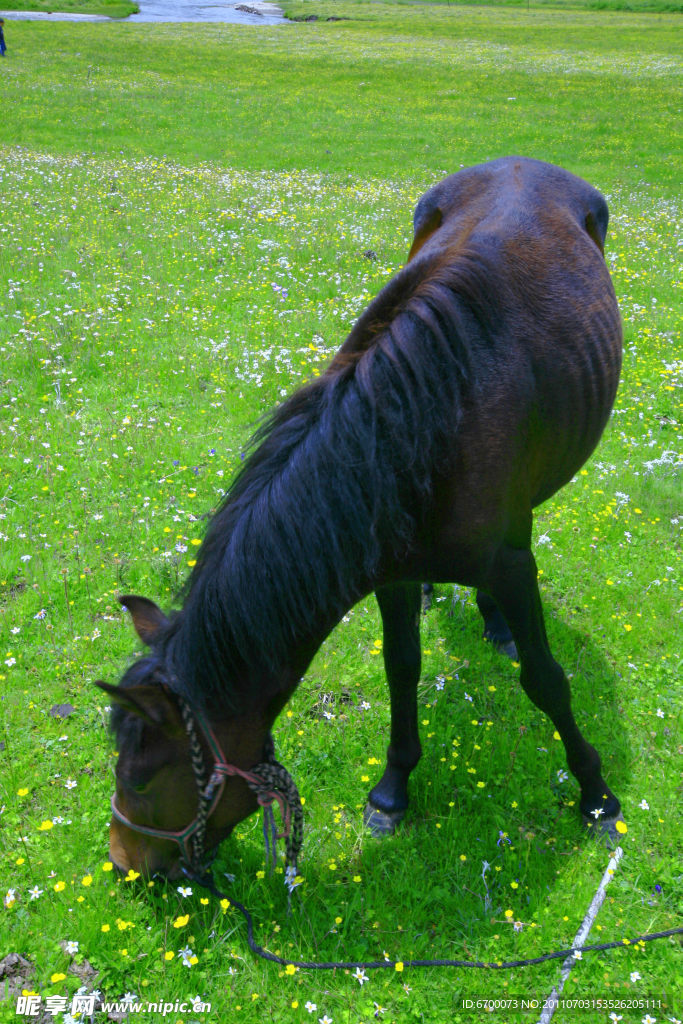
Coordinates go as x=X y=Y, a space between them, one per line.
x=399 y=605
x=513 y=585
x=496 y=629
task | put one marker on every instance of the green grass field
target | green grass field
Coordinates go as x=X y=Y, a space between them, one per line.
x=102 y=8
x=186 y=216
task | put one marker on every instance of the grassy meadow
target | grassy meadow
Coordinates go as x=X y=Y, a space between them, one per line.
x=192 y=218
x=101 y=8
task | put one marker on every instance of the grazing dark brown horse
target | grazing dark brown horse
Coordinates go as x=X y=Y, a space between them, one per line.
x=471 y=389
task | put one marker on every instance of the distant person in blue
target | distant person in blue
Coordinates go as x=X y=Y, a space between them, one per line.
x=2 y=38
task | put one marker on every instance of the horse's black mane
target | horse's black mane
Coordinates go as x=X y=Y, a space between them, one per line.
x=335 y=480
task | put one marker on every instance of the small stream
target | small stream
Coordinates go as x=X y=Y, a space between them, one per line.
x=252 y=13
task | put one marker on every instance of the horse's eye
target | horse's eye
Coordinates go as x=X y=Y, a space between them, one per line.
x=134 y=787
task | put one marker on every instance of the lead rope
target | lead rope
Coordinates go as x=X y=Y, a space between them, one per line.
x=372 y=965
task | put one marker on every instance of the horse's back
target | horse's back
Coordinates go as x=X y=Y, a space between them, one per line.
x=527 y=241
x=534 y=234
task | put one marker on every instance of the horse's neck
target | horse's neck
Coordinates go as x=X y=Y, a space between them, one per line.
x=287 y=572
x=331 y=497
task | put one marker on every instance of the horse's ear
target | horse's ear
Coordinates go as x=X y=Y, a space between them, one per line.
x=425 y=226
x=596 y=231
x=148 y=619
x=150 y=703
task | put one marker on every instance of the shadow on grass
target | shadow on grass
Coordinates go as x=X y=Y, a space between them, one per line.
x=492 y=848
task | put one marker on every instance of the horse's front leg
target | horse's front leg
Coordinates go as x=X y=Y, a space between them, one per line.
x=399 y=606
x=514 y=586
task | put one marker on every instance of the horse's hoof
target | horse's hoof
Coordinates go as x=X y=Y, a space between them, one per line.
x=605 y=829
x=509 y=649
x=506 y=647
x=381 y=823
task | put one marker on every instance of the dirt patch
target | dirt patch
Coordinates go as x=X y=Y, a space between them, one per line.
x=15 y=972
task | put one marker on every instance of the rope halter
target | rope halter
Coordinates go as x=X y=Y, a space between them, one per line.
x=269 y=781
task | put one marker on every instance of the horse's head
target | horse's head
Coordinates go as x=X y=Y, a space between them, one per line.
x=167 y=754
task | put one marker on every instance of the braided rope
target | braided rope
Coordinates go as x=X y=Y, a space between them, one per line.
x=204 y=788
x=277 y=784
x=196 y=752
x=269 y=781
